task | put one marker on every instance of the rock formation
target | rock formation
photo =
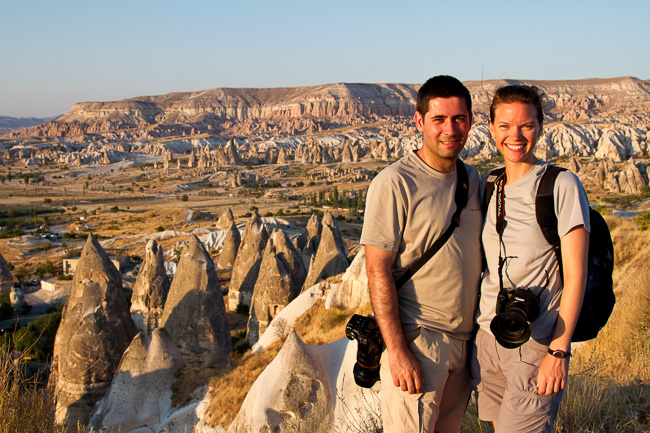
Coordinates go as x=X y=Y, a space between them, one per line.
x=140 y=396
x=95 y=330
x=294 y=387
x=314 y=228
x=6 y=279
x=353 y=290
x=330 y=259
x=309 y=388
x=226 y=219
x=194 y=314
x=230 y=248
x=150 y=289
x=279 y=281
x=247 y=263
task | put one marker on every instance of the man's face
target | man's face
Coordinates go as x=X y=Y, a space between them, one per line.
x=444 y=128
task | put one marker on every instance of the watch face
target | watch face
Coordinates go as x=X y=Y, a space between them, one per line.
x=558 y=353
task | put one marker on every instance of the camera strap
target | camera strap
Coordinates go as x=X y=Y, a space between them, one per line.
x=460 y=198
x=499 y=184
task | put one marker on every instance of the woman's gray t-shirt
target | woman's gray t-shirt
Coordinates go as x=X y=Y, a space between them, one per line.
x=530 y=258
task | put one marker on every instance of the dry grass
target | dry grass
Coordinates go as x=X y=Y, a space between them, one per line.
x=26 y=405
x=227 y=392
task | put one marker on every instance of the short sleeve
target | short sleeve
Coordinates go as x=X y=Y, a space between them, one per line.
x=385 y=215
x=571 y=203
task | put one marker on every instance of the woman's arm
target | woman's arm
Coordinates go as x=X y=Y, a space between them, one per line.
x=575 y=247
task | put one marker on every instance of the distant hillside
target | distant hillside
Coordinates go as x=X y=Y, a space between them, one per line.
x=8 y=124
x=228 y=112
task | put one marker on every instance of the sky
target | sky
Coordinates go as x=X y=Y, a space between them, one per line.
x=54 y=53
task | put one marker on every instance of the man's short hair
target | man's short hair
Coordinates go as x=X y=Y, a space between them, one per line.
x=442 y=86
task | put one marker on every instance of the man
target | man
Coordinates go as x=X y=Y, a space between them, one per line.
x=427 y=325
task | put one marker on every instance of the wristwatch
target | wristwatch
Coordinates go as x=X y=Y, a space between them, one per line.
x=561 y=354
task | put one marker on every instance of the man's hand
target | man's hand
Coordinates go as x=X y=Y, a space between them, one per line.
x=405 y=370
x=552 y=375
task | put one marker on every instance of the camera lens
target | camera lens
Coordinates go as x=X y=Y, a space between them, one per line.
x=365 y=377
x=511 y=328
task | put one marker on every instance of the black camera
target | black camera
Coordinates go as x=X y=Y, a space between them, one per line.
x=364 y=329
x=516 y=309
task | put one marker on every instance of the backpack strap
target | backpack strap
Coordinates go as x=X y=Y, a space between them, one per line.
x=460 y=198
x=545 y=211
x=489 y=187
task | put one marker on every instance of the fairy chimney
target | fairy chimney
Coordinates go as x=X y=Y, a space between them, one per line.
x=150 y=289
x=95 y=330
x=247 y=263
x=279 y=281
x=230 y=247
x=194 y=314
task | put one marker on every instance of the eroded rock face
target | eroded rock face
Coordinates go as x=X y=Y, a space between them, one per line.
x=279 y=281
x=194 y=314
x=247 y=263
x=314 y=228
x=293 y=387
x=6 y=279
x=95 y=330
x=226 y=220
x=140 y=395
x=330 y=259
x=353 y=290
x=230 y=248
x=150 y=289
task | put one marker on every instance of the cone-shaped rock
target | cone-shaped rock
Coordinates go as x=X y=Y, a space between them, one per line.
x=141 y=392
x=294 y=386
x=314 y=228
x=6 y=279
x=247 y=263
x=330 y=259
x=95 y=330
x=279 y=281
x=226 y=219
x=230 y=247
x=195 y=315
x=150 y=289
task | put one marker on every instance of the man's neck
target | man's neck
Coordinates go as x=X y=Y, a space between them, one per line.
x=438 y=164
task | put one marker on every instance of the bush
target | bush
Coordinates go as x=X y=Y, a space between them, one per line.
x=160 y=228
x=184 y=197
x=114 y=209
x=642 y=221
x=47 y=200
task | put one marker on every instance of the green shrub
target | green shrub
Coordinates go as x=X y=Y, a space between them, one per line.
x=642 y=221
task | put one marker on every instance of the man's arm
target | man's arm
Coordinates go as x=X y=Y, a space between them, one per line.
x=404 y=368
x=553 y=371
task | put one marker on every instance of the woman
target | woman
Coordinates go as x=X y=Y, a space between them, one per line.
x=520 y=388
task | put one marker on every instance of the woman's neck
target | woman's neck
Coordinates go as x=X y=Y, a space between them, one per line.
x=517 y=170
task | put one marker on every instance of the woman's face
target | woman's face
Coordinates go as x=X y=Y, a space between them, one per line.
x=515 y=130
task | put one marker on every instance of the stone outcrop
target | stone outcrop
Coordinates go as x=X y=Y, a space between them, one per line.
x=95 y=330
x=279 y=281
x=247 y=263
x=194 y=314
x=330 y=259
x=226 y=219
x=353 y=290
x=293 y=387
x=140 y=396
x=230 y=247
x=150 y=289
x=6 y=279
x=314 y=228
x=309 y=388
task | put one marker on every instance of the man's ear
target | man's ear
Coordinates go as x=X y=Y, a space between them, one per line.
x=419 y=121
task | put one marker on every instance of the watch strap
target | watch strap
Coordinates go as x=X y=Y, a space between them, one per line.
x=559 y=353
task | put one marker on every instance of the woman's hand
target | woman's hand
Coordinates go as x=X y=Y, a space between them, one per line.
x=552 y=375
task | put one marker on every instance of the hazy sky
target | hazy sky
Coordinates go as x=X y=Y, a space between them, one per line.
x=55 y=53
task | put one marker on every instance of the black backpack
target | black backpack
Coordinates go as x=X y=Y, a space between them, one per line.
x=599 y=296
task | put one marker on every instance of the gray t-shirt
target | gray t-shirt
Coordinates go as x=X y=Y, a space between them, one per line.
x=530 y=256
x=408 y=207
